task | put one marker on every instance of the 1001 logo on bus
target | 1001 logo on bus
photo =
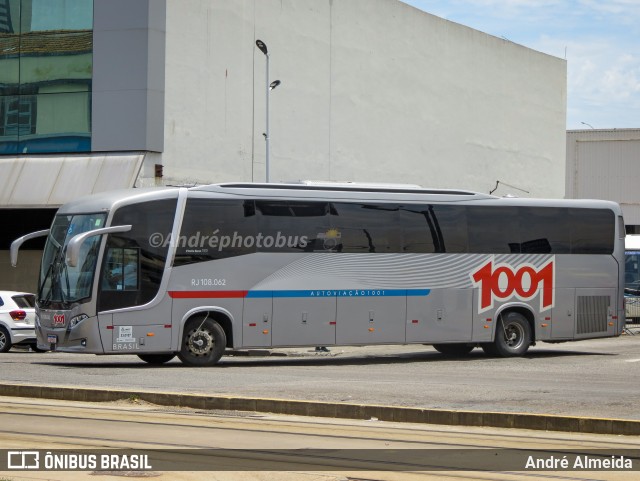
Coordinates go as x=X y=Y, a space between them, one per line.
x=502 y=282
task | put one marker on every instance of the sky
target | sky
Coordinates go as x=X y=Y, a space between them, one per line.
x=600 y=39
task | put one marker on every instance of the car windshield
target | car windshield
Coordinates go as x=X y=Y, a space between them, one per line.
x=59 y=282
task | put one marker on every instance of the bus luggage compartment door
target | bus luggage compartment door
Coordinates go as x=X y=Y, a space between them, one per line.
x=563 y=315
x=443 y=315
x=304 y=321
x=371 y=320
x=256 y=322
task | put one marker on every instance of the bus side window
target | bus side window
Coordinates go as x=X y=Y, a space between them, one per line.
x=122 y=269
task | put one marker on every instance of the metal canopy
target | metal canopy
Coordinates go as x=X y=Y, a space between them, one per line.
x=50 y=181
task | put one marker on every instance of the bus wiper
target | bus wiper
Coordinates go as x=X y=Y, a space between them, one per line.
x=54 y=270
x=64 y=297
x=44 y=281
x=50 y=271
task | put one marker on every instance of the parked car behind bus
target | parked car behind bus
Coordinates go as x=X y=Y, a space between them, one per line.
x=17 y=320
x=632 y=278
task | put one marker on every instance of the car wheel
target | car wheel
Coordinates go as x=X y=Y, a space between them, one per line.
x=157 y=358
x=203 y=342
x=5 y=339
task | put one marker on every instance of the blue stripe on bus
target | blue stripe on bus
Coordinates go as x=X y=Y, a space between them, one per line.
x=340 y=293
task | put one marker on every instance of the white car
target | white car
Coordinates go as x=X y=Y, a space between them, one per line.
x=17 y=320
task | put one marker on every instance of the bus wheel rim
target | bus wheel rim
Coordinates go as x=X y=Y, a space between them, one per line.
x=200 y=343
x=514 y=335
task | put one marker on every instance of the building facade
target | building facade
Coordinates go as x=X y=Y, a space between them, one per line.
x=605 y=164
x=105 y=94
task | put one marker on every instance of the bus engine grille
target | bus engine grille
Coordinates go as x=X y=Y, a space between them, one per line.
x=593 y=314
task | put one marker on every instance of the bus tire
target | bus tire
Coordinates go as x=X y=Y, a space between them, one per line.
x=5 y=339
x=454 y=350
x=203 y=342
x=513 y=336
x=157 y=358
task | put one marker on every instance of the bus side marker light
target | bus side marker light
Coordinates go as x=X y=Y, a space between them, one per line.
x=332 y=323
x=488 y=320
x=110 y=327
x=167 y=326
x=547 y=318
x=371 y=329
x=150 y=334
x=611 y=324
x=253 y=324
x=486 y=327
x=415 y=321
x=266 y=331
x=544 y=324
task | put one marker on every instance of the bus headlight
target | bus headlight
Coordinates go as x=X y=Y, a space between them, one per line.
x=77 y=320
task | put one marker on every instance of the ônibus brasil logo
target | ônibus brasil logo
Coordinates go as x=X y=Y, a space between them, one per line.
x=525 y=282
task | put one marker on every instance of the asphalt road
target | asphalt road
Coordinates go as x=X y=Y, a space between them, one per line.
x=596 y=378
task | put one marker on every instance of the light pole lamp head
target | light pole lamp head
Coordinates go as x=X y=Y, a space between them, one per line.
x=262 y=46
x=274 y=84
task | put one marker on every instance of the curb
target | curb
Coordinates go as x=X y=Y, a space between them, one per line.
x=542 y=422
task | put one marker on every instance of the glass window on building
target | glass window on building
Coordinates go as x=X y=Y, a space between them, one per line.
x=46 y=64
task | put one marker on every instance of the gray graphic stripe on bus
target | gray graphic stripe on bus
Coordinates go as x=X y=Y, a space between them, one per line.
x=389 y=270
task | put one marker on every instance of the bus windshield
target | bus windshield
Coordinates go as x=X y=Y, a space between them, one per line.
x=59 y=282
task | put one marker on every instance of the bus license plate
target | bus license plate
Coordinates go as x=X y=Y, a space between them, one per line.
x=52 y=339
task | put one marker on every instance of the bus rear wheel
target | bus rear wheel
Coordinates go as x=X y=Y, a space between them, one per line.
x=513 y=336
x=453 y=349
x=203 y=342
x=157 y=358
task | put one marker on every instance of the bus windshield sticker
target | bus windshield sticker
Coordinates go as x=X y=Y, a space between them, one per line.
x=125 y=334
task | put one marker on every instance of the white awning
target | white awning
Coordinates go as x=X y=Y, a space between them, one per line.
x=50 y=181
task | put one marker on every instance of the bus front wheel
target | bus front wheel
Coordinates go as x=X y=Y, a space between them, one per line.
x=203 y=342
x=513 y=336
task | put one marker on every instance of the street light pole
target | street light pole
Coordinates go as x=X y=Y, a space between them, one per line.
x=266 y=137
x=270 y=86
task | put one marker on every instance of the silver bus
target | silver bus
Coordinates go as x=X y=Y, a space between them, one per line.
x=195 y=271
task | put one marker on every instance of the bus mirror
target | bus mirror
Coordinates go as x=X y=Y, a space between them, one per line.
x=74 y=245
x=15 y=245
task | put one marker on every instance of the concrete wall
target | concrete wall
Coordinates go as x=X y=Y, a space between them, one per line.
x=605 y=164
x=372 y=90
x=128 y=75
x=23 y=277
